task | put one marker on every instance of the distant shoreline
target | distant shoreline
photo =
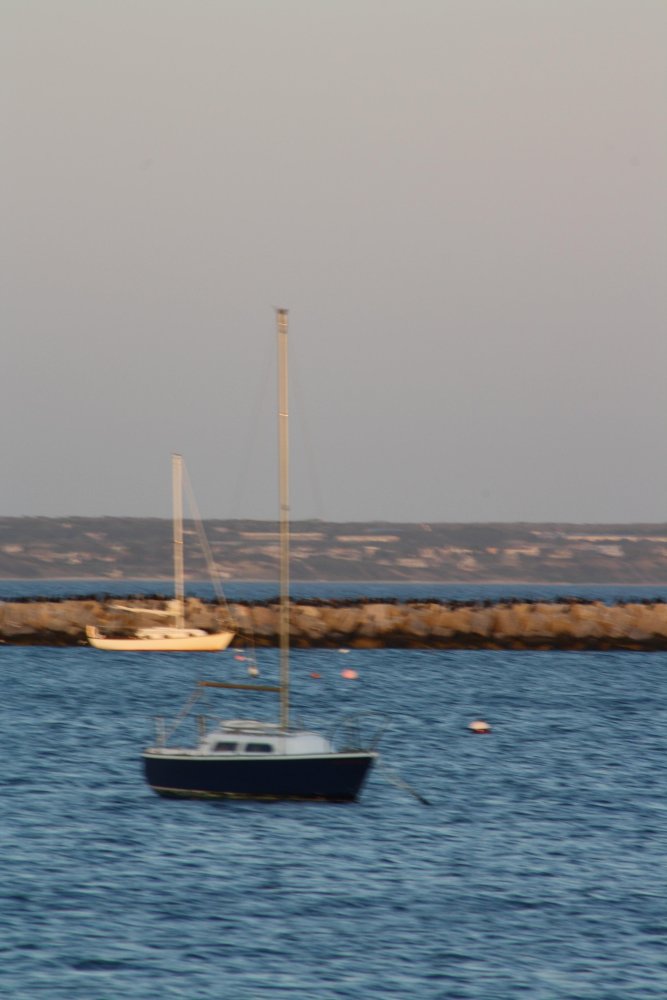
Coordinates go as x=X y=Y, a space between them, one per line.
x=374 y=552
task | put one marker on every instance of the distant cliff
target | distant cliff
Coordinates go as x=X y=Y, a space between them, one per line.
x=140 y=548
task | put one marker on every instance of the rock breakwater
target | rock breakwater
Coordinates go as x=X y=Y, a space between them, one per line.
x=512 y=624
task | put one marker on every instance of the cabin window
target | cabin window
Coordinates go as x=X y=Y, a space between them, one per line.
x=259 y=748
x=225 y=747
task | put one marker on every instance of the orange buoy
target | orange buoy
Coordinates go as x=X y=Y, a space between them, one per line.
x=316 y=676
x=351 y=675
x=479 y=726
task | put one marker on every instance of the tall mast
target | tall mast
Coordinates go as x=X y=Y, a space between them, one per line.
x=177 y=507
x=283 y=454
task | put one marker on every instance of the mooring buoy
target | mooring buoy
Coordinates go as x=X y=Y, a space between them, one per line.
x=479 y=726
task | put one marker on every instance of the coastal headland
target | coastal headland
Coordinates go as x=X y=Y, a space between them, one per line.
x=575 y=624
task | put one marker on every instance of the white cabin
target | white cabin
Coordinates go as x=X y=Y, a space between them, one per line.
x=246 y=736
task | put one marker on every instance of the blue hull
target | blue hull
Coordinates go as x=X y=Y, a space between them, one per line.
x=330 y=777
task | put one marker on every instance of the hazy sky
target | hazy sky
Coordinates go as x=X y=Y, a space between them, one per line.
x=462 y=203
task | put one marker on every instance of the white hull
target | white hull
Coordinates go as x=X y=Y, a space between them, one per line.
x=187 y=642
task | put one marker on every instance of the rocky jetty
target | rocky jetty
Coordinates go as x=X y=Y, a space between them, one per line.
x=366 y=624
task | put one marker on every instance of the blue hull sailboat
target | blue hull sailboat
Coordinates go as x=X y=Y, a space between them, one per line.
x=245 y=758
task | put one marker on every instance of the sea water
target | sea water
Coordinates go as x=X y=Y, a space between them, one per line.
x=537 y=868
x=253 y=590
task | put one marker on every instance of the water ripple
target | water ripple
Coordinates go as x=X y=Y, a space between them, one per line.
x=537 y=871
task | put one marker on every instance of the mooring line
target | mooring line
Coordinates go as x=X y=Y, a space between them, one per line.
x=401 y=783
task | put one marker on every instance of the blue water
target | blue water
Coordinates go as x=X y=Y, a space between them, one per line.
x=259 y=591
x=537 y=870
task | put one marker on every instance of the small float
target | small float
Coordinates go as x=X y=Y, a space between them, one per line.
x=479 y=726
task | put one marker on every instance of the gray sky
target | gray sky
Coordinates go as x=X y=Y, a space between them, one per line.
x=461 y=202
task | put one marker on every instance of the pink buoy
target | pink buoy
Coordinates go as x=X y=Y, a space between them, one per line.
x=479 y=726
x=351 y=675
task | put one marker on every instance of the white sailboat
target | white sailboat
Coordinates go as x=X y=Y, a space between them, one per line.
x=175 y=636
x=245 y=758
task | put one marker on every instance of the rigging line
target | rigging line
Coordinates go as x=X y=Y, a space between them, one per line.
x=249 y=445
x=184 y=712
x=303 y=427
x=213 y=570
